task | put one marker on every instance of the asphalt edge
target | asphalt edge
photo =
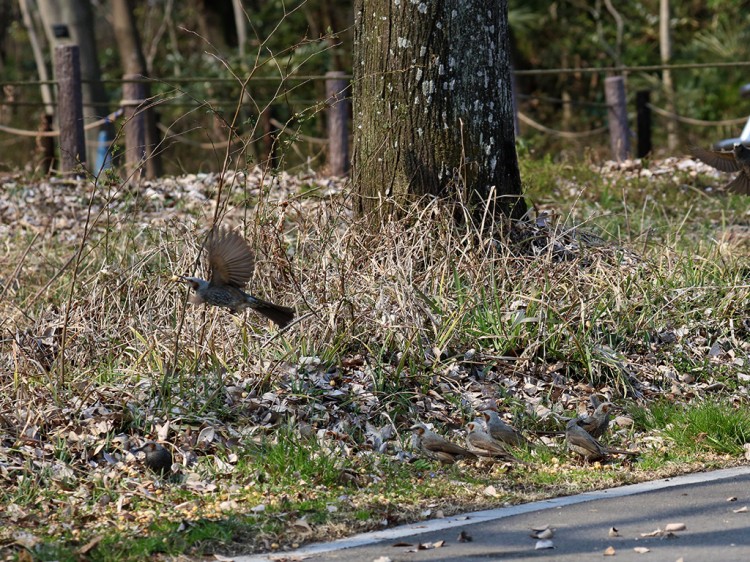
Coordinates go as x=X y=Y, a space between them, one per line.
x=471 y=518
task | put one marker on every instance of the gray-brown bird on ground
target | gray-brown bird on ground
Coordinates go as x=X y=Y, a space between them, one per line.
x=597 y=423
x=435 y=447
x=735 y=160
x=481 y=443
x=580 y=442
x=501 y=431
x=230 y=265
x=157 y=457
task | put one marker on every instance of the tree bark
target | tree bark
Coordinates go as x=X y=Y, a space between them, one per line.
x=433 y=104
x=134 y=63
x=665 y=50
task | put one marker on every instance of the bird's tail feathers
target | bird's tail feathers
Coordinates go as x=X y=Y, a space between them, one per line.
x=622 y=452
x=281 y=315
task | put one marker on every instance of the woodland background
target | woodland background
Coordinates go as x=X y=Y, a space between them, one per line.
x=300 y=41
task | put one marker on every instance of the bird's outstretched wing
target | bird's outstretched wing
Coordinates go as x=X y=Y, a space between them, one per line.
x=724 y=161
x=740 y=184
x=230 y=260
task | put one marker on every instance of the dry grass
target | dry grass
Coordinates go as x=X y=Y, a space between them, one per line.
x=414 y=318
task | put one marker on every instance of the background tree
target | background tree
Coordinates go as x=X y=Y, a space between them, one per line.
x=433 y=105
x=134 y=63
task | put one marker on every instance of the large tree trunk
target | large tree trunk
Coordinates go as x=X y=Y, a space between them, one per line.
x=433 y=104
x=134 y=62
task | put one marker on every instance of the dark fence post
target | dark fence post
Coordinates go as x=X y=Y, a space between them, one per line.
x=338 y=130
x=643 y=119
x=133 y=93
x=69 y=108
x=617 y=115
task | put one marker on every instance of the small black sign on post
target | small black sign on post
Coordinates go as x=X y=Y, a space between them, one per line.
x=643 y=119
x=70 y=108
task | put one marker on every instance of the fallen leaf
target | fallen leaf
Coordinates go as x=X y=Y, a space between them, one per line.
x=642 y=549
x=463 y=536
x=610 y=551
x=541 y=545
x=206 y=435
x=302 y=525
x=546 y=534
x=543 y=532
x=490 y=491
x=743 y=509
x=26 y=540
x=90 y=545
x=229 y=505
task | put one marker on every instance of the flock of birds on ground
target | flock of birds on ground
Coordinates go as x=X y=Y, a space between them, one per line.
x=230 y=264
x=489 y=437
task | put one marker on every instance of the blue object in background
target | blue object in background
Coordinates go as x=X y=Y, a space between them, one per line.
x=103 y=154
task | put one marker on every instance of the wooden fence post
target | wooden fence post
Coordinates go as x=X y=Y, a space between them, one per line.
x=338 y=130
x=643 y=119
x=133 y=93
x=70 y=108
x=617 y=115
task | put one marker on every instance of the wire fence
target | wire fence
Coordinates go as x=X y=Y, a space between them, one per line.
x=308 y=127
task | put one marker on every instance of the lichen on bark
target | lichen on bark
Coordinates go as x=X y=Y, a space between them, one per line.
x=433 y=108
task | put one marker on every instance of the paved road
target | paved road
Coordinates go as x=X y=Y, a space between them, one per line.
x=714 y=532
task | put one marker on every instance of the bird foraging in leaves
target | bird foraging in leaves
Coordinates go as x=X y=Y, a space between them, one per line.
x=435 y=447
x=501 y=431
x=735 y=160
x=580 y=442
x=482 y=444
x=230 y=265
x=157 y=458
x=597 y=423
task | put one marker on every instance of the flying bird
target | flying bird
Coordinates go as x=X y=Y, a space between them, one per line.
x=735 y=160
x=230 y=265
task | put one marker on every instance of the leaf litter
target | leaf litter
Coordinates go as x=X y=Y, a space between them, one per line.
x=104 y=421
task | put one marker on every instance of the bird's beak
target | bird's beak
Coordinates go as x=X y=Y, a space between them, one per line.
x=185 y=279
